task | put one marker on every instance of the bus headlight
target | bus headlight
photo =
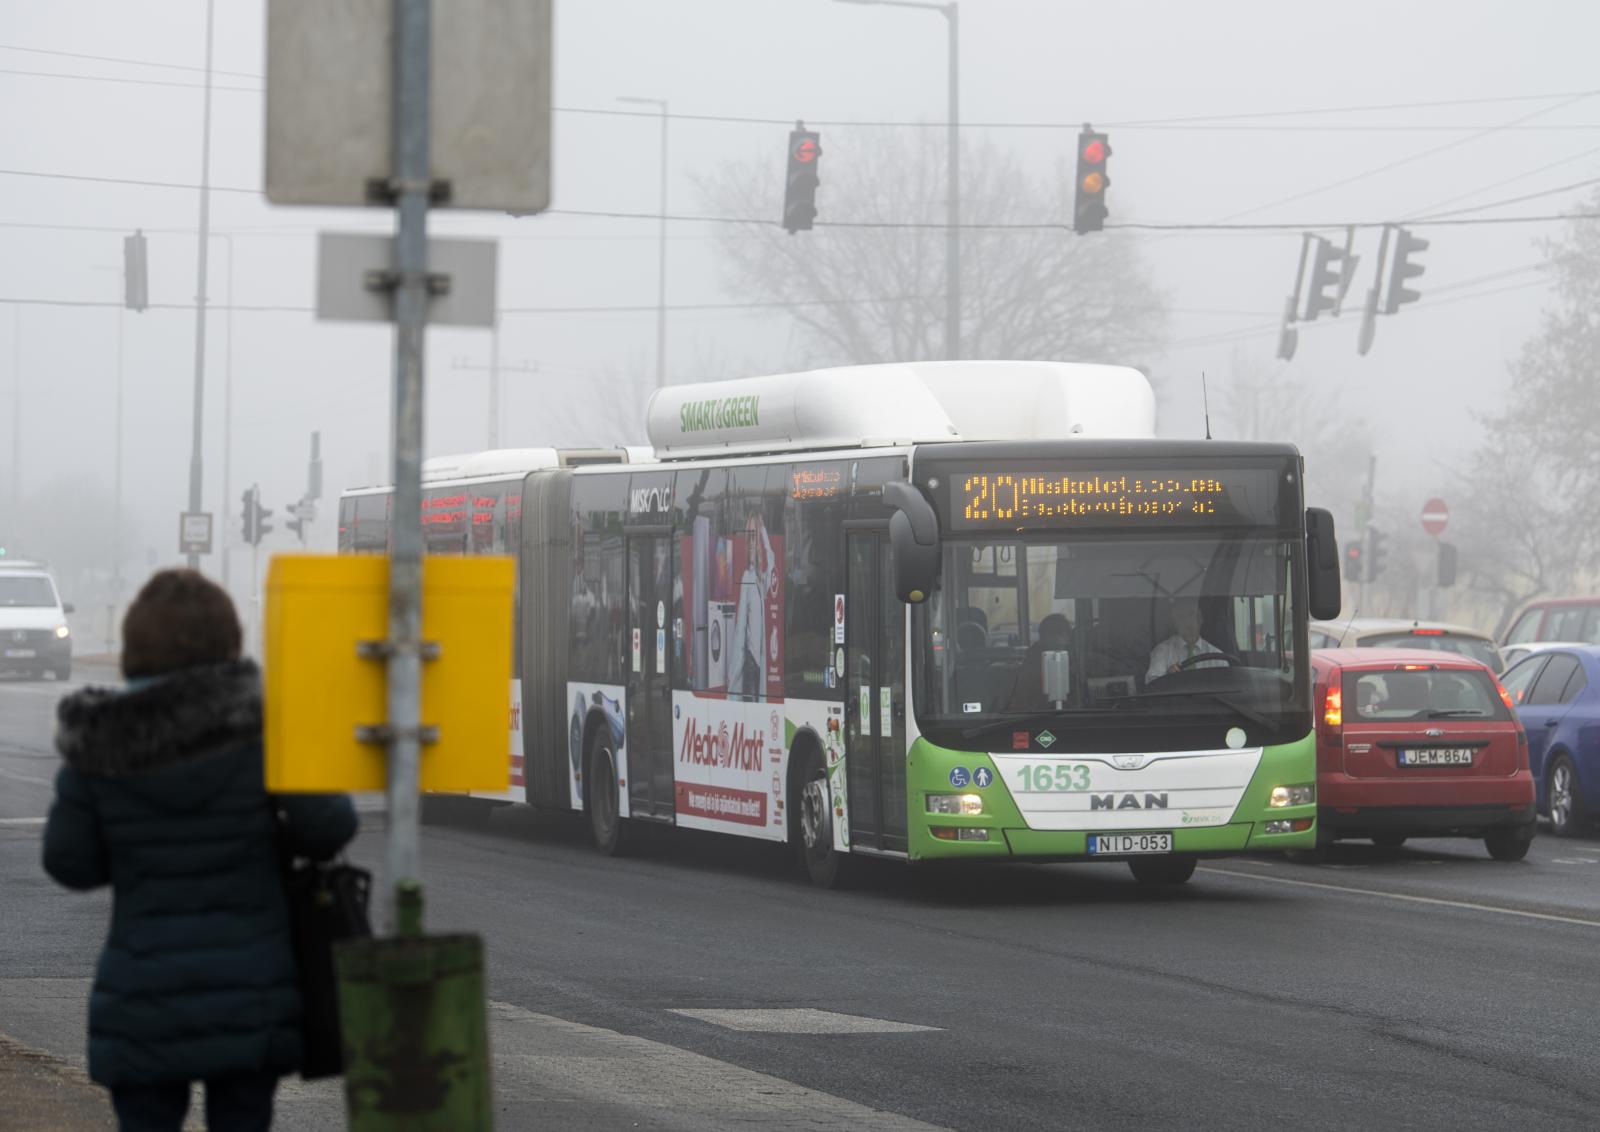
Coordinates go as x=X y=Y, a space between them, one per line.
x=955 y=803
x=1293 y=795
x=63 y=632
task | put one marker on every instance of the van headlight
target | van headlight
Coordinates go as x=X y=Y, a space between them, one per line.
x=63 y=632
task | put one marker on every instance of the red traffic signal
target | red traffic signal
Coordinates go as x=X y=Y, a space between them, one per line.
x=1089 y=210
x=801 y=180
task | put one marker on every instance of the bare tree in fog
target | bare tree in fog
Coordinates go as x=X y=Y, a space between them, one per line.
x=877 y=294
x=1531 y=520
x=1262 y=400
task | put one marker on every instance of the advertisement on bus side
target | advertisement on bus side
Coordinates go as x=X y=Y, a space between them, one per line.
x=729 y=765
x=610 y=701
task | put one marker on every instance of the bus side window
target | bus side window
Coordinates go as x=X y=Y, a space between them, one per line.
x=813 y=554
x=697 y=496
x=598 y=598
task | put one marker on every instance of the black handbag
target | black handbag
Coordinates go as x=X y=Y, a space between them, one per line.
x=327 y=902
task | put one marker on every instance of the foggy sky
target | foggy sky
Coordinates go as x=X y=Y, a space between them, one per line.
x=1022 y=61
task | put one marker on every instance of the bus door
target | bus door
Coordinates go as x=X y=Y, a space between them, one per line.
x=875 y=695
x=649 y=675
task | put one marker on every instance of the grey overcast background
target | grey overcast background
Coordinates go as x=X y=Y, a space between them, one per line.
x=1023 y=61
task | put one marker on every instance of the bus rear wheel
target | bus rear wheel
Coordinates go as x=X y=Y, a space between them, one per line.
x=811 y=818
x=1162 y=870
x=607 y=826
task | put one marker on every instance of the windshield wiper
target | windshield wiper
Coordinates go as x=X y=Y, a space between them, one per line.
x=1025 y=720
x=1448 y=713
x=1218 y=697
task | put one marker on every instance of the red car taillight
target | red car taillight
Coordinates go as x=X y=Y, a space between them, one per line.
x=1333 y=707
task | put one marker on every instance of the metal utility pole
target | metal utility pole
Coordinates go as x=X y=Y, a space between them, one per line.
x=952 y=270
x=197 y=439
x=15 y=514
x=494 y=369
x=661 y=249
x=1366 y=532
x=411 y=187
x=952 y=255
x=116 y=498
x=227 y=422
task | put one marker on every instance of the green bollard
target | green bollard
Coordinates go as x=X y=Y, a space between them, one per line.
x=416 y=1035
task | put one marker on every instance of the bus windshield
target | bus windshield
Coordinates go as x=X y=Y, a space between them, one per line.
x=1113 y=641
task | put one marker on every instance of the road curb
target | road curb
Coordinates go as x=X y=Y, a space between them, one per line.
x=40 y=1093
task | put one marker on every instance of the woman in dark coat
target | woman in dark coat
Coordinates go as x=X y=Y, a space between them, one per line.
x=161 y=796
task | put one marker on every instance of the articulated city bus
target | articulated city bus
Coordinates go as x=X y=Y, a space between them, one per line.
x=953 y=610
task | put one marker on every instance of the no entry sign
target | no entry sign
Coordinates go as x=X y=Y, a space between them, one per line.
x=1435 y=516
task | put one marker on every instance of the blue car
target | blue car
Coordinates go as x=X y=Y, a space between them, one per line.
x=1557 y=697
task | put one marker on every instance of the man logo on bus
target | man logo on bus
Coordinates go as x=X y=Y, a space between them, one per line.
x=1127 y=802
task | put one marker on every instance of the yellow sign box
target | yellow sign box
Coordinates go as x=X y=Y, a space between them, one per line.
x=319 y=608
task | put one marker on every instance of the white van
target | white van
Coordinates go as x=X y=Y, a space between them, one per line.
x=34 y=638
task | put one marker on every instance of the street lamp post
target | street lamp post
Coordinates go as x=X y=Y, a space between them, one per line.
x=952 y=253
x=661 y=252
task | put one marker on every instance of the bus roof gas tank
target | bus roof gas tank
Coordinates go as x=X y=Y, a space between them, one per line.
x=900 y=403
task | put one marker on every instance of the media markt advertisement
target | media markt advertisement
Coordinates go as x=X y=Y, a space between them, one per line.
x=728 y=763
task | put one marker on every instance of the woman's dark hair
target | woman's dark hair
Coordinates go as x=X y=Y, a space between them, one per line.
x=179 y=620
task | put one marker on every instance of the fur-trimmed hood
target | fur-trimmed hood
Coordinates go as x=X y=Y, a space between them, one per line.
x=195 y=712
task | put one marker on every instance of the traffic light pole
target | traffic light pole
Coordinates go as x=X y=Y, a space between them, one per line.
x=412 y=187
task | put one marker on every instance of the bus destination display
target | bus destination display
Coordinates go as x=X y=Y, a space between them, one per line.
x=1011 y=498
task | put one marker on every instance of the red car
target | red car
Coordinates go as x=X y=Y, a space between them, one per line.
x=1414 y=743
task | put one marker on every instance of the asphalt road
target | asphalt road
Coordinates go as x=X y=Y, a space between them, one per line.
x=1428 y=987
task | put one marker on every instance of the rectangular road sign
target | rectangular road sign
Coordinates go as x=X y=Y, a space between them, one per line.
x=345 y=259
x=194 y=532
x=319 y=691
x=330 y=105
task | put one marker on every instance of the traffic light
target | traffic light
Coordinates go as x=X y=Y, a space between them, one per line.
x=1447 y=564
x=1401 y=268
x=800 y=188
x=1089 y=189
x=247 y=516
x=1329 y=269
x=135 y=272
x=1352 y=562
x=1375 y=540
x=296 y=524
x=262 y=526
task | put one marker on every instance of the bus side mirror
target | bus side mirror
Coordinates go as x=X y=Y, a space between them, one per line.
x=1322 y=565
x=913 y=541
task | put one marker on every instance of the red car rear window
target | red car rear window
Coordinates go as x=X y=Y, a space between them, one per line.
x=1481 y=651
x=1396 y=695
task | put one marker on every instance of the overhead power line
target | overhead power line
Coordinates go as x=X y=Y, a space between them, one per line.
x=1213 y=121
x=125 y=61
x=975 y=226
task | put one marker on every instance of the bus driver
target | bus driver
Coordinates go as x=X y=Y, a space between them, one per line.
x=1185 y=642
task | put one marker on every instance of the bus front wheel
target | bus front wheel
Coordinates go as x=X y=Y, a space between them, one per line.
x=812 y=817
x=1162 y=870
x=601 y=797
